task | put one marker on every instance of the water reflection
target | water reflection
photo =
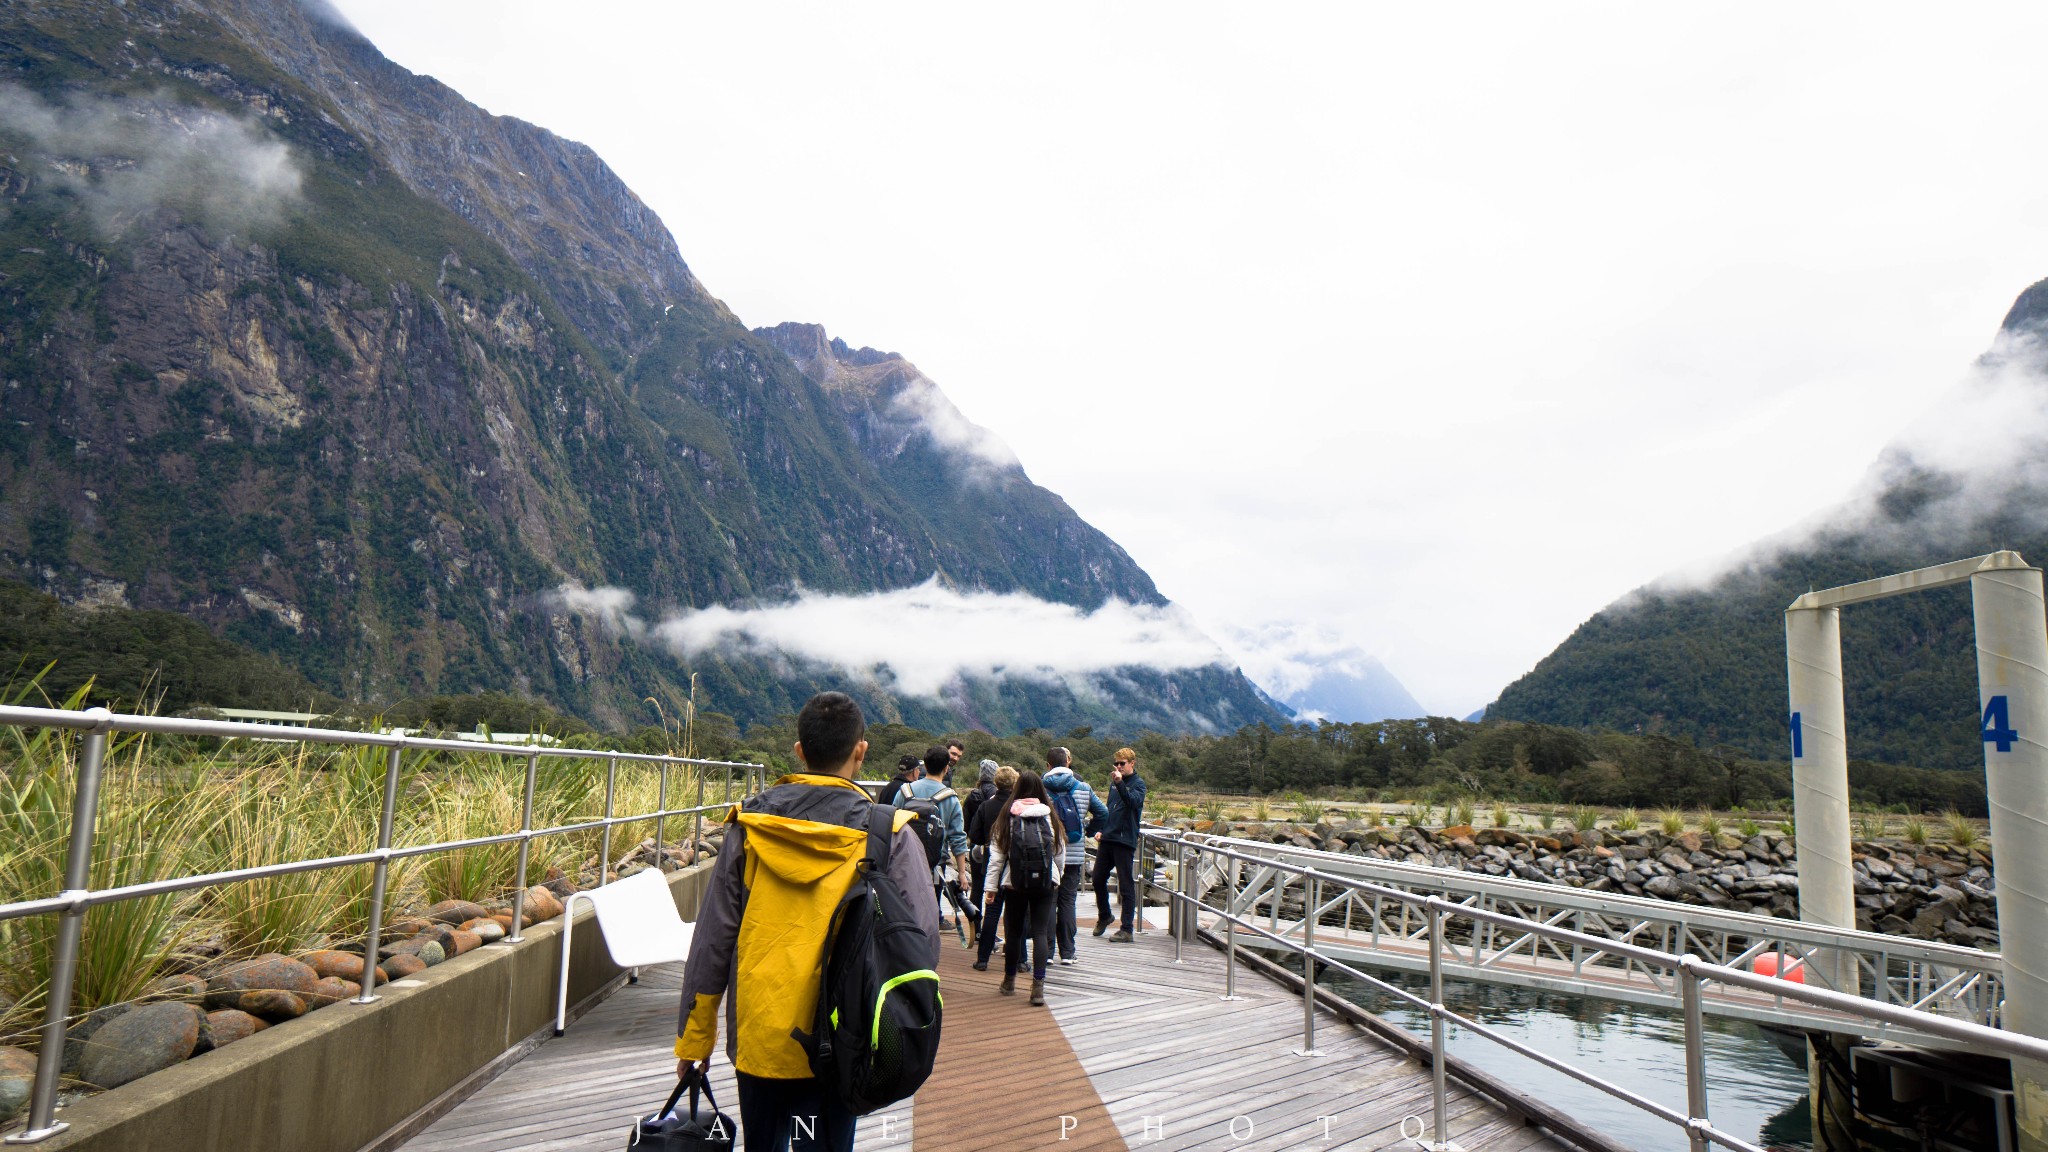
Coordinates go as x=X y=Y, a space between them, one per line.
x=1753 y=1089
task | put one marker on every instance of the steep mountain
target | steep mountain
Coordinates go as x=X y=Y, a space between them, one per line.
x=1354 y=692
x=309 y=349
x=1707 y=661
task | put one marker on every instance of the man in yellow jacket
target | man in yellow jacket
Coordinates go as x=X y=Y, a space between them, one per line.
x=789 y=856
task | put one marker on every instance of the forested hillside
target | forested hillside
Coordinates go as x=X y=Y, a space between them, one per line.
x=1708 y=663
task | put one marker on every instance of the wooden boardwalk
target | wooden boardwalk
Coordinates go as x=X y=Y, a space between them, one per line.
x=1133 y=1052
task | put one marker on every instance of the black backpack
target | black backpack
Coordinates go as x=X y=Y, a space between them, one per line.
x=930 y=826
x=876 y=1033
x=1068 y=811
x=1029 y=859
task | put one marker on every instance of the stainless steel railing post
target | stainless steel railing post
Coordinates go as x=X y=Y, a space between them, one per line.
x=1231 y=904
x=1437 y=1044
x=382 y=875
x=525 y=852
x=85 y=804
x=1308 y=968
x=697 y=819
x=1179 y=917
x=604 y=851
x=1695 y=1053
x=660 y=817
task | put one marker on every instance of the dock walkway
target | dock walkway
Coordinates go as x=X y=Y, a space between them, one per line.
x=1134 y=1052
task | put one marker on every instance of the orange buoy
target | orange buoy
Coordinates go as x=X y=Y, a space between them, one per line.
x=1780 y=965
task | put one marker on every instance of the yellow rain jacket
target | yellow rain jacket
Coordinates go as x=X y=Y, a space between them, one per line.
x=788 y=858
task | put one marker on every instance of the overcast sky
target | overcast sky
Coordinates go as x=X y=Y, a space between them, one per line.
x=1438 y=327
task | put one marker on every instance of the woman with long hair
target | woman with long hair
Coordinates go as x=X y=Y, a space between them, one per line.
x=1027 y=849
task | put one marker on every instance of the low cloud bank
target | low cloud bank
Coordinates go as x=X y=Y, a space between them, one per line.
x=122 y=158
x=919 y=640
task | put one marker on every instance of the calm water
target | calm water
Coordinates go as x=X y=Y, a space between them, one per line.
x=1753 y=1089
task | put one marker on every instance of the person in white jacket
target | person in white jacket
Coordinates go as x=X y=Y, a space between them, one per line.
x=1026 y=853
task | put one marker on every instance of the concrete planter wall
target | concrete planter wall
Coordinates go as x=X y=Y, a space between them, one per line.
x=345 y=1077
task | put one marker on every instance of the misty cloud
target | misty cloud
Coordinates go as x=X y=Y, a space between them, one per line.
x=919 y=640
x=612 y=608
x=981 y=452
x=123 y=158
x=1977 y=457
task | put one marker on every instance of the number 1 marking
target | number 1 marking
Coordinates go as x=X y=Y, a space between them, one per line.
x=1798 y=738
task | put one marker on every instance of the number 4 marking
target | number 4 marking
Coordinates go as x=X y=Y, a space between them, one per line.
x=1998 y=724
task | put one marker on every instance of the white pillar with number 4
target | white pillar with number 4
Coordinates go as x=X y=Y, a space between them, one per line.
x=2012 y=687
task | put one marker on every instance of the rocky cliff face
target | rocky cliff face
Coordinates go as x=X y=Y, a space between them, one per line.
x=309 y=348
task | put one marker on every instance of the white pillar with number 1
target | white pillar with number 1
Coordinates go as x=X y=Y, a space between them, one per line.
x=2012 y=689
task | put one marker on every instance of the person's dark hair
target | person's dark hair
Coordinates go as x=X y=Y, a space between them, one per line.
x=828 y=728
x=1058 y=758
x=1030 y=786
x=937 y=760
x=960 y=744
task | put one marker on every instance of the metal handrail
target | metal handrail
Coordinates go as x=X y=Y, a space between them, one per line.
x=1690 y=970
x=78 y=896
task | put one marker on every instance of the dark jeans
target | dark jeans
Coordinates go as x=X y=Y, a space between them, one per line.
x=1070 y=894
x=792 y=1116
x=1027 y=915
x=991 y=919
x=1111 y=855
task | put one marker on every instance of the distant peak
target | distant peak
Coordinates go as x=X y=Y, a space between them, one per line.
x=809 y=344
x=2029 y=313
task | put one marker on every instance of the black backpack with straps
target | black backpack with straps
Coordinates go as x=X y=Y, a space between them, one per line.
x=930 y=826
x=1028 y=861
x=876 y=1033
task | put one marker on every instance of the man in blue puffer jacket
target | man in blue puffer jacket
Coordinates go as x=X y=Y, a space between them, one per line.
x=1074 y=802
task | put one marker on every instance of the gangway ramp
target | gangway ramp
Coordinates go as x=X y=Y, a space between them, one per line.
x=1359 y=926
x=1134 y=1051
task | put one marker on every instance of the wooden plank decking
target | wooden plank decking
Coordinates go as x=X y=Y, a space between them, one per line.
x=1133 y=1052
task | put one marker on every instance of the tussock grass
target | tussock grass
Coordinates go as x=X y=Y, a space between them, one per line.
x=1961 y=831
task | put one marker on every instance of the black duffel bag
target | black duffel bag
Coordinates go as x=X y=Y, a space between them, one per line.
x=670 y=1131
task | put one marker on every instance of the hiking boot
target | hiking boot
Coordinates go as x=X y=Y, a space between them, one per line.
x=1101 y=926
x=981 y=965
x=1009 y=987
x=1121 y=936
x=1069 y=961
x=1038 y=993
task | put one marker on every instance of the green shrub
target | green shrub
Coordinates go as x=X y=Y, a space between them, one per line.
x=1915 y=830
x=1461 y=812
x=1749 y=828
x=1628 y=821
x=1503 y=816
x=1585 y=819
x=1710 y=824
x=1671 y=821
